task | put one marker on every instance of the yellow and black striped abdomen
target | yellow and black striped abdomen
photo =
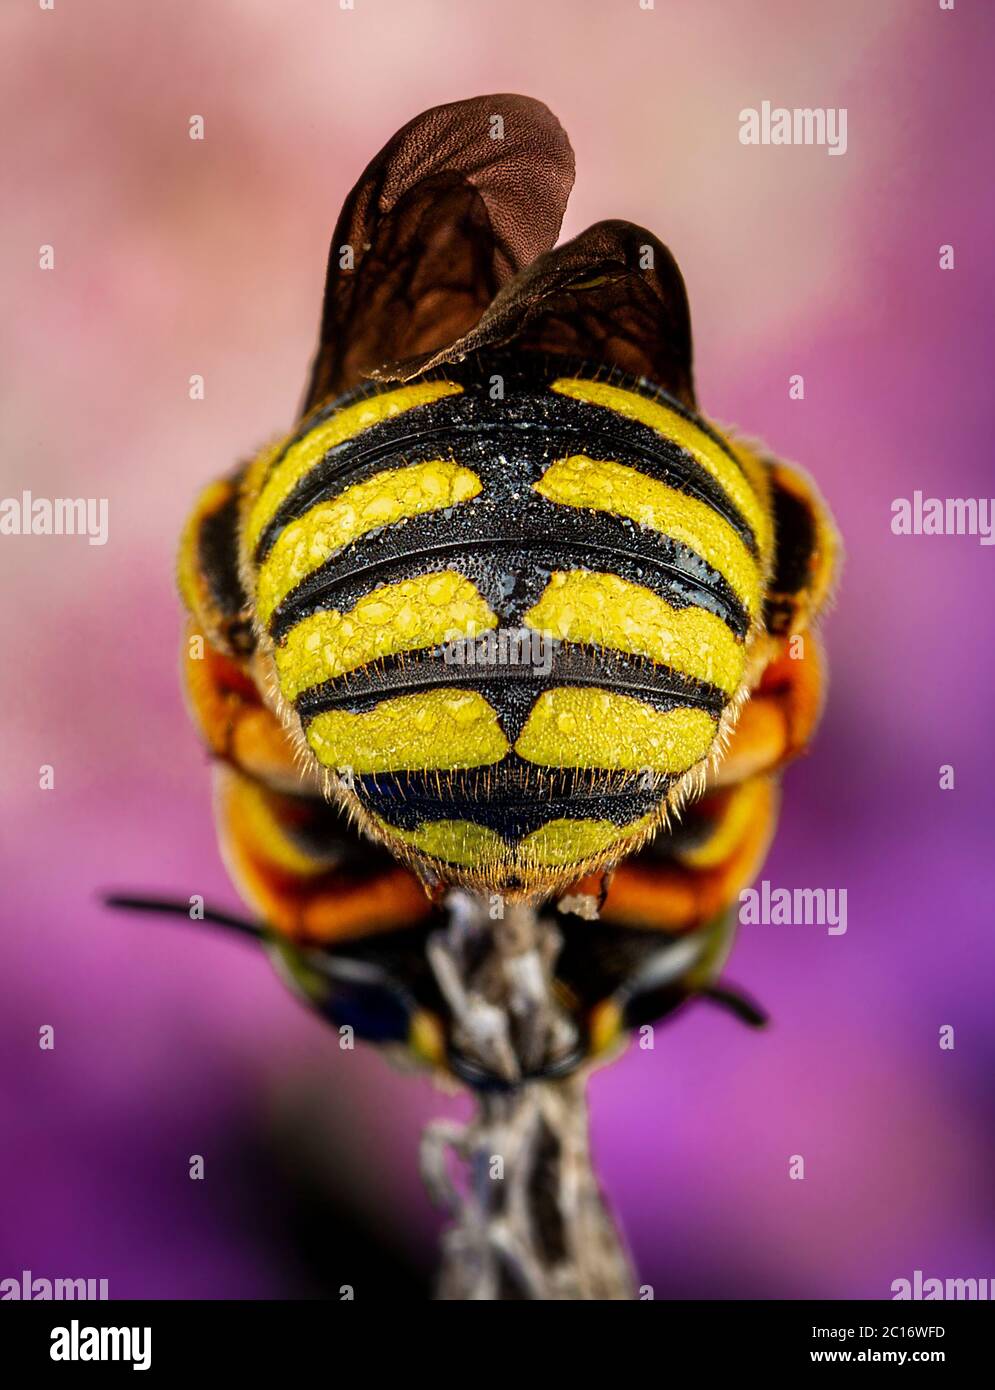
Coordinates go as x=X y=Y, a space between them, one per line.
x=508 y=612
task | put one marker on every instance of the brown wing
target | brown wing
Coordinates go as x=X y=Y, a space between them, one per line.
x=455 y=204
x=613 y=296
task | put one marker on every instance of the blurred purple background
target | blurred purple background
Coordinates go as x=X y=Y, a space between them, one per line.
x=175 y=257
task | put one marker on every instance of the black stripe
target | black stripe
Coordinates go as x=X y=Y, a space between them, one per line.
x=217 y=562
x=514 y=803
x=794 y=537
x=522 y=372
x=217 y=555
x=649 y=391
x=794 y=542
x=510 y=561
x=512 y=690
x=316 y=417
x=510 y=451
x=377 y=442
x=509 y=441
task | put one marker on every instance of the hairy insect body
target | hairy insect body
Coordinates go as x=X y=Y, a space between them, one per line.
x=591 y=512
x=503 y=613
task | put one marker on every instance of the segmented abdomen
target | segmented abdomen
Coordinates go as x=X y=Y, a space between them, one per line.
x=511 y=607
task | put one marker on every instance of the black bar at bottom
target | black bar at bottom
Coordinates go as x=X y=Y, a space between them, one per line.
x=61 y=1341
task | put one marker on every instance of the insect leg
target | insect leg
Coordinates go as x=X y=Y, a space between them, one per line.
x=689 y=875
x=301 y=867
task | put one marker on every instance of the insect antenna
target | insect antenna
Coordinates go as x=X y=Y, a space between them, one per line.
x=127 y=902
x=737 y=1003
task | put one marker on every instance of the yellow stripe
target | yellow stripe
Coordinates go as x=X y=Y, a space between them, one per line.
x=556 y=844
x=673 y=426
x=304 y=545
x=607 y=486
x=576 y=727
x=578 y=606
x=251 y=812
x=345 y=424
x=404 y=617
x=441 y=729
x=748 y=806
x=562 y=842
x=758 y=476
x=460 y=842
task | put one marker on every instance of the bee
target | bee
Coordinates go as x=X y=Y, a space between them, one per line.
x=500 y=652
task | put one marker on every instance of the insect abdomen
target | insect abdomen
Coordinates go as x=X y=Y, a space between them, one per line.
x=513 y=608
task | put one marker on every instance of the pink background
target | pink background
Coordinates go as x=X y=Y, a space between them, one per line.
x=175 y=257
